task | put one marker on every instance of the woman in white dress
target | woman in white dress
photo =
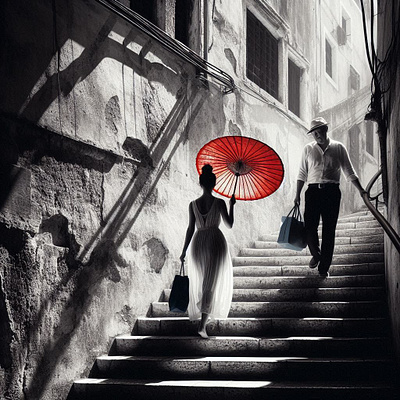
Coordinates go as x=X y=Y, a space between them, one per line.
x=210 y=266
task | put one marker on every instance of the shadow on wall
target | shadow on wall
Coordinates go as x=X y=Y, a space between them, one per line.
x=104 y=257
x=62 y=82
x=102 y=250
x=9 y=176
x=60 y=27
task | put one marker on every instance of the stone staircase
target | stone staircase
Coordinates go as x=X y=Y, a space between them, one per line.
x=290 y=334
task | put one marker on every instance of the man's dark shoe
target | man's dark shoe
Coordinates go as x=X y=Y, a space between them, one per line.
x=323 y=274
x=314 y=262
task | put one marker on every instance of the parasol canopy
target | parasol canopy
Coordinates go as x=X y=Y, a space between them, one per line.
x=244 y=166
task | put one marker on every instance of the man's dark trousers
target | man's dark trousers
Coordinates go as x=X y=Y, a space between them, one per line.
x=322 y=201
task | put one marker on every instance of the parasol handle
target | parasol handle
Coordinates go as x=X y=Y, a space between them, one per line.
x=237 y=178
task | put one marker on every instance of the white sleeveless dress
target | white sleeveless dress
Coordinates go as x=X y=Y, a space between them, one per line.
x=210 y=267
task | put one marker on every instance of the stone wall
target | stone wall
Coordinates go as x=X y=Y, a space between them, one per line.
x=392 y=256
x=389 y=16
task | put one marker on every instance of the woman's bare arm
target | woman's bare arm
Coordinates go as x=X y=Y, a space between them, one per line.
x=189 y=233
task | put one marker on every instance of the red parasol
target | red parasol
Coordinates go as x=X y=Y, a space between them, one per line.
x=243 y=162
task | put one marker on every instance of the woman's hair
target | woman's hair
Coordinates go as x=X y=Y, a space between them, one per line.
x=207 y=178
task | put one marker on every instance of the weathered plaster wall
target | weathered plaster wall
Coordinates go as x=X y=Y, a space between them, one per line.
x=96 y=160
x=261 y=117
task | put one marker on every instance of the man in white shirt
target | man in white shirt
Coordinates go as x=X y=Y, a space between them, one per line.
x=321 y=164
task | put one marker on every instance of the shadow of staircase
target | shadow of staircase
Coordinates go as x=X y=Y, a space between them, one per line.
x=290 y=334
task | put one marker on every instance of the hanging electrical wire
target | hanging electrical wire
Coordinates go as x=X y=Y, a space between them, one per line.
x=383 y=76
x=170 y=43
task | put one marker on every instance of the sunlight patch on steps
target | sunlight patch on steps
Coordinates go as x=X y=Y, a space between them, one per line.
x=230 y=384
x=187 y=383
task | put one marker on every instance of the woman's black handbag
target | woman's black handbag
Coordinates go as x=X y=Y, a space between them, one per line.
x=179 y=297
x=292 y=234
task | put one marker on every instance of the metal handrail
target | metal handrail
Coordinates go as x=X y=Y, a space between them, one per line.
x=370 y=185
x=178 y=48
x=393 y=236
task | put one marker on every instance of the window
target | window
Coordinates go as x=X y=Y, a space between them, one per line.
x=146 y=8
x=172 y=16
x=294 y=75
x=369 y=136
x=328 y=59
x=262 y=56
x=183 y=10
x=346 y=25
x=354 y=79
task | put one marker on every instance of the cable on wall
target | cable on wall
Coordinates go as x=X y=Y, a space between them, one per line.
x=170 y=43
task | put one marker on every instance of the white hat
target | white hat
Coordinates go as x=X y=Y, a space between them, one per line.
x=317 y=123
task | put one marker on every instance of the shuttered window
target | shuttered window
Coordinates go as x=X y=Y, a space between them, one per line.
x=262 y=56
x=354 y=79
x=294 y=75
x=328 y=59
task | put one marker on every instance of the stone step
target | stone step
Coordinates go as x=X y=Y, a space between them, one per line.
x=296 y=270
x=356 y=222
x=298 y=282
x=317 y=326
x=290 y=334
x=367 y=231
x=128 y=389
x=250 y=346
x=303 y=309
x=356 y=218
x=313 y=294
x=357 y=225
x=259 y=244
x=340 y=249
x=219 y=367
x=298 y=259
x=305 y=294
x=359 y=213
x=352 y=224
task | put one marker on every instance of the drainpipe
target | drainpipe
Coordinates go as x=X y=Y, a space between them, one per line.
x=321 y=56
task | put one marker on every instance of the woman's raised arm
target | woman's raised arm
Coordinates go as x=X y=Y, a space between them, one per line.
x=228 y=217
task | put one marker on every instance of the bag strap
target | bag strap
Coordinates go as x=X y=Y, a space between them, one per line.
x=182 y=269
x=295 y=213
x=292 y=211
